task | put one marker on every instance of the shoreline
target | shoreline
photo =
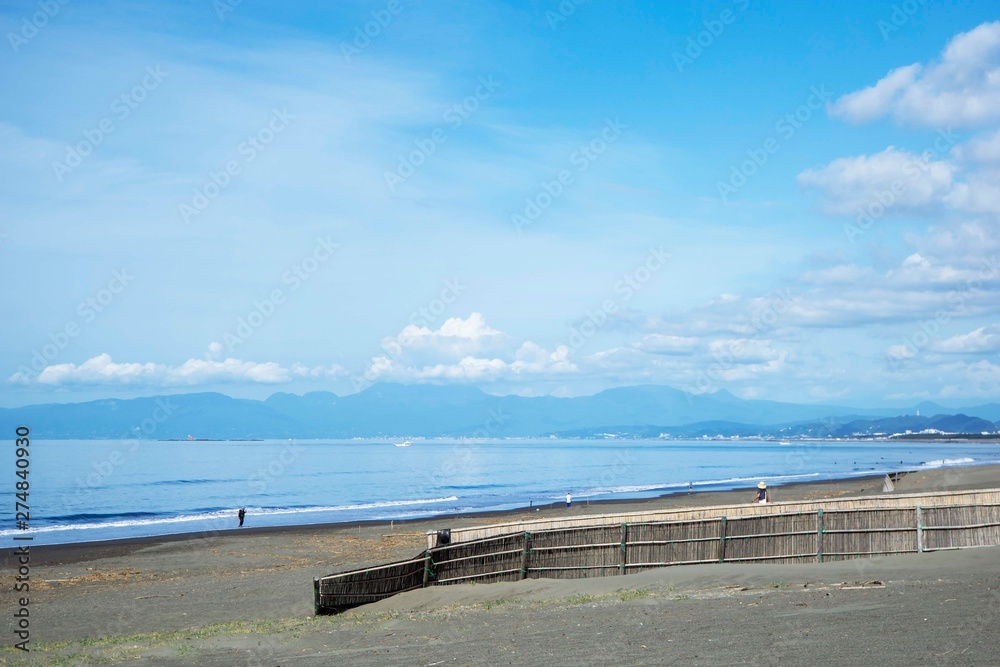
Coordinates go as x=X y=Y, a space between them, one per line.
x=124 y=545
x=71 y=552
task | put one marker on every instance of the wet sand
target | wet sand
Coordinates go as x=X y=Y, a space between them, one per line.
x=245 y=597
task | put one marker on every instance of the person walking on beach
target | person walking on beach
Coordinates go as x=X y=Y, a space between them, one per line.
x=761 y=496
x=569 y=499
x=242 y=515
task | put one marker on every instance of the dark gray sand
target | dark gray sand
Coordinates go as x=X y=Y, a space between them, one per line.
x=245 y=598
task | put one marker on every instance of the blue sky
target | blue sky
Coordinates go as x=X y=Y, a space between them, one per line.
x=794 y=201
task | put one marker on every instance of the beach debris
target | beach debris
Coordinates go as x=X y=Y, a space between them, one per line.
x=857 y=585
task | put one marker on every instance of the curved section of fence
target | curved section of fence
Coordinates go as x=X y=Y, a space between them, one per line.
x=622 y=547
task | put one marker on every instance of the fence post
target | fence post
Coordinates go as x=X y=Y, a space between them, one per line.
x=315 y=596
x=427 y=568
x=525 y=554
x=623 y=557
x=920 y=529
x=722 y=539
x=819 y=536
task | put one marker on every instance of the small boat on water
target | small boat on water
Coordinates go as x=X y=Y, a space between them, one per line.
x=405 y=443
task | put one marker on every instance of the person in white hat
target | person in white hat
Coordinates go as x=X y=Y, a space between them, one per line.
x=761 y=496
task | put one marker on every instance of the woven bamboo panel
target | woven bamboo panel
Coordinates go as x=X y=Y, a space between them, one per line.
x=653 y=544
x=575 y=553
x=485 y=561
x=957 y=527
x=862 y=533
x=350 y=589
x=765 y=539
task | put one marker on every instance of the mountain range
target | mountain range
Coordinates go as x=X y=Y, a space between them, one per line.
x=394 y=410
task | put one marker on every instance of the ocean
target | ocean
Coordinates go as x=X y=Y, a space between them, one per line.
x=85 y=490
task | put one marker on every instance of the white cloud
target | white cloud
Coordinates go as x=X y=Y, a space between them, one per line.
x=474 y=369
x=896 y=180
x=317 y=372
x=102 y=370
x=962 y=243
x=203 y=371
x=464 y=350
x=979 y=194
x=978 y=378
x=899 y=353
x=874 y=101
x=667 y=344
x=743 y=350
x=842 y=274
x=962 y=88
x=456 y=337
x=922 y=273
x=984 y=149
x=983 y=339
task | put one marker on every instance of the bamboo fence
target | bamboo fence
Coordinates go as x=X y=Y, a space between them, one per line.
x=910 y=500
x=814 y=532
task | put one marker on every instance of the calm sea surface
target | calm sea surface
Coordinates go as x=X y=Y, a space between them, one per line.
x=84 y=490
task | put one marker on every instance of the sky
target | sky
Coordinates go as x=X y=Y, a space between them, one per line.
x=793 y=201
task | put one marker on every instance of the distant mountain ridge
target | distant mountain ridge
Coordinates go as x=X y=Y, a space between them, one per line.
x=392 y=410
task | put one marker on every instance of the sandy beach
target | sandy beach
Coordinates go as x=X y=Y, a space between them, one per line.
x=245 y=597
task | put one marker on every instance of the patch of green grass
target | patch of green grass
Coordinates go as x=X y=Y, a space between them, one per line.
x=492 y=604
x=625 y=596
x=109 y=649
x=583 y=599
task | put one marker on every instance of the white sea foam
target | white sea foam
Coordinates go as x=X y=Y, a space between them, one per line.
x=938 y=463
x=226 y=515
x=608 y=490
